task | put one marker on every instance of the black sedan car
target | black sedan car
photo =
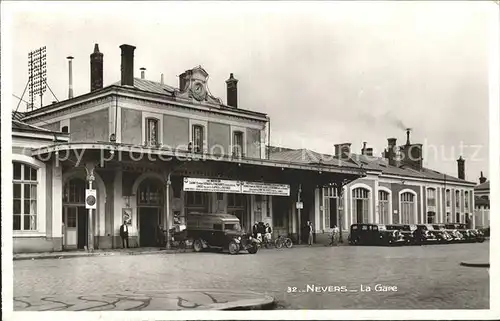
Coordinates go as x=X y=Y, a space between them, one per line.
x=375 y=234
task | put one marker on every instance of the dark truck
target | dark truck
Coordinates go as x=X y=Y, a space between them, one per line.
x=222 y=231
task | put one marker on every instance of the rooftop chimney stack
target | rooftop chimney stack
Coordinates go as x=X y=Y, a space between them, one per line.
x=363 y=150
x=162 y=79
x=461 y=168
x=127 y=66
x=96 y=69
x=482 y=179
x=408 y=130
x=70 y=66
x=232 y=91
x=369 y=151
x=390 y=153
x=143 y=73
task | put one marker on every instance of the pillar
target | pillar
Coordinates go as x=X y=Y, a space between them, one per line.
x=317 y=204
x=57 y=186
x=89 y=167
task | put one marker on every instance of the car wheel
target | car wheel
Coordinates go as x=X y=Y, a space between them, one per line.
x=233 y=248
x=253 y=249
x=197 y=245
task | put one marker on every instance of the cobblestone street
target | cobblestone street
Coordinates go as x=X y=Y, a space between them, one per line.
x=427 y=277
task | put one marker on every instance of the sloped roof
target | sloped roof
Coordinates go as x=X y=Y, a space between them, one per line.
x=483 y=186
x=151 y=86
x=355 y=160
x=23 y=127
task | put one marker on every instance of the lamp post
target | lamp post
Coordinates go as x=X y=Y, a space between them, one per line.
x=89 y=168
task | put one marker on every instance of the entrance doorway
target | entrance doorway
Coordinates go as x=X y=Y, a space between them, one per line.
x=75 y=217
x=149 y=220
x=150 y=197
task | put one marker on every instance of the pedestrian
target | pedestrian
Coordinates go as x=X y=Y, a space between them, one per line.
x=335 y=235
x=310 y=231
x=124 y=234
x=255 y=229
x=269 y=232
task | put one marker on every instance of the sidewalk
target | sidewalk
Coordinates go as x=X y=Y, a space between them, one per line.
x=143 y=300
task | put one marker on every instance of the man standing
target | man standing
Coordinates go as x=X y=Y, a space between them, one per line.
x=310 y=231
x=124 y=233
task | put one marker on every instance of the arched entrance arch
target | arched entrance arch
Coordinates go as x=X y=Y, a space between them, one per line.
x=75 y=215
x=361 y=207
x=149 y=197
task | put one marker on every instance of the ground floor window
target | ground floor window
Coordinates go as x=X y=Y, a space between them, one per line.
x=360 y=204
x=196 y=202
x=383 y=207
x=457 y=218
x=431 y=217
x=448 y=217
x=407 y=208
x=25 y=186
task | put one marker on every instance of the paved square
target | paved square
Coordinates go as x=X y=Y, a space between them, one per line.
x=426 y=277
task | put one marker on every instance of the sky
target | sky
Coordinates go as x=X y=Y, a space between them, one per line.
x=324 y=72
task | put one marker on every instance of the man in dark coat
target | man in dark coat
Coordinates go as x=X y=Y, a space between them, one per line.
x=124 y=234
x=255 y=229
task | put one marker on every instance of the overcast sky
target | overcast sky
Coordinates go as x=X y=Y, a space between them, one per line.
x=325 y=73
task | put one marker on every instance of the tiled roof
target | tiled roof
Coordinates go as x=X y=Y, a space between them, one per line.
x=355 y=160
x=151 y=86
x=483 y=186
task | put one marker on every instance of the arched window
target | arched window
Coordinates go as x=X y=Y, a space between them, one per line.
x=25 y=186
x=466 y=200
x=64 y=129
x=383 y=207
x=407 y=208
x=448 y=198
x=457 y=200
x=360 y=204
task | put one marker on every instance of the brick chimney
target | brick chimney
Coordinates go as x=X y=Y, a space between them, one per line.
x=96 y=69
x=127 y=67
x=411 y=154
x=369 y=151
x=363 y=150
x=232 y=91
x=143 y=73
x=482 y=179
x=390 y=152
x=342 y=150
x=461 y=168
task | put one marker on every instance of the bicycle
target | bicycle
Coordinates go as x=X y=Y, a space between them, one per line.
x=283 y=241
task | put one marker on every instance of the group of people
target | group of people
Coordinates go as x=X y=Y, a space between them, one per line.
x=259 y=230
x=309 y=233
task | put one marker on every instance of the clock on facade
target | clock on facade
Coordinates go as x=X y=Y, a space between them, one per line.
x=198 y=90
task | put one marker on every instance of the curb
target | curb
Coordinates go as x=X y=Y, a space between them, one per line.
x=58 y=256
x=479 y=265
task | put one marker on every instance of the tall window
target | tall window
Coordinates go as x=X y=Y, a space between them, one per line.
x=466 y=200
x=150 y=193
x=383 y=207
x=407 y=208
x=25 y=185
x=198 y=138
x=74 y=191
x=431 y=197
x=448 y=198
x=431 y=217
x=448 y=217
x=151 y=131
x=360 y=203
x=238 y=144
x=457 y=200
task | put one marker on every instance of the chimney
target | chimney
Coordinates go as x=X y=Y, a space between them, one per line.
x=363 y=150
x=342 y=150
x=162 y=79
x=390 y=153
x=127 y=67
x=143 y=73
x=232 y=91
x=408 y=137
x=482 y=179
x=96 y=69
x=461 y=168
x=369 y=151
x=70 y=66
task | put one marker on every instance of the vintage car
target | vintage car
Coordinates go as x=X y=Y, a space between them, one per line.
x=442 y=233
x=425 y=234
x=468 y=235
x=409 y=233
x=456 y=231
x=222 y=231
x=374 y=234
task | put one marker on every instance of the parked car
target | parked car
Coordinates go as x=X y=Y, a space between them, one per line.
x=457 y=231
x=425 y=234
x=442 y=234
x=374 y=234
x=468 y=235
x=221 y=231
x=410 y=233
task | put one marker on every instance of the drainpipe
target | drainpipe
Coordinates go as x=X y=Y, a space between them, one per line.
x=167 y=205
x=299 y=223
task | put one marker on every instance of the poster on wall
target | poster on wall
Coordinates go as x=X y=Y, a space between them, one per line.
x=127 y=216
x=265 y=189
x=211 y=185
